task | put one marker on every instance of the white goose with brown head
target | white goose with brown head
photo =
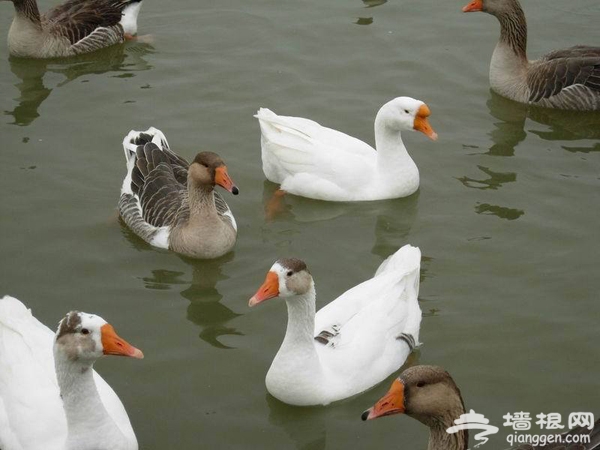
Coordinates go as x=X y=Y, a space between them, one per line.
x=172 y=204
x=50 y=396
x=352 y=343
x=430 y=395
x=317 y=162
x=563 y=79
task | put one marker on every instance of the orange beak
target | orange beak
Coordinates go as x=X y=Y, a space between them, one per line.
x=114 y=345
x=223 y=180
x=269 y=289
x=422 y=124
x=474 y=6
x=390 y=404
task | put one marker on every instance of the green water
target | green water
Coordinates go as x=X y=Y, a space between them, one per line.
x=506 y=216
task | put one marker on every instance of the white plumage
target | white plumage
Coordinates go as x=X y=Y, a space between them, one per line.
x=32 y=416
x=361 y=337
x=313 y=161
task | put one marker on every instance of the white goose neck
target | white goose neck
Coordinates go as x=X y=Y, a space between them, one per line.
x=301 y=320
x=89 y=425
x=391 y=152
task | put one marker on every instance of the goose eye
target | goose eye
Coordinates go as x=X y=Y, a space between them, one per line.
x=420 y=384
x=406 y=111
x=290 y=273
x=85 y=331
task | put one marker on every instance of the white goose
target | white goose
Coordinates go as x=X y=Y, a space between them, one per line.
x=313 y=161
x=50 y=397
x=351 y=344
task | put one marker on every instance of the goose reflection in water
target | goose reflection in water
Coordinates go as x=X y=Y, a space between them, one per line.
x=561 y=126
x=205 y=308
x=509 y=131
x=122 y=59
x=393 y=218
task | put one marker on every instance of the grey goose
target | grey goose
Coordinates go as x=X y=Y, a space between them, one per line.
x=72 y=28
x=563 y=79
x=170 y=203
x=430 y=395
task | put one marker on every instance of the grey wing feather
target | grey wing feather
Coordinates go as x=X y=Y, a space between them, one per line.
x=78 y=19
x=159 y=179
x=163 y=198
x=564 y=69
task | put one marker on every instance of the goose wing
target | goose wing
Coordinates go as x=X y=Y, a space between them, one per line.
x=295 y=146
x=564 y=70
x=367 y=323
x=87 y=22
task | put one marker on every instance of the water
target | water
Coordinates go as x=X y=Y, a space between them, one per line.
x=506 y=217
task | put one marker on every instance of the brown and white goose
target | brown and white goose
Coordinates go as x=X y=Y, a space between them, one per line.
x=51 y=398
x=563 y=79
x=430 y=395
x=170 y=203
x=75 y=27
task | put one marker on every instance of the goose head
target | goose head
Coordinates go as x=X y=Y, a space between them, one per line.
x=288 y=277
x=406 y=113
x=494 y=7
x=208 y=169
x=86 y=337
x=426 y=393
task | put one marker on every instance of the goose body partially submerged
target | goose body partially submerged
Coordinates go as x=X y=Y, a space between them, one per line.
x=72 y=28
x=352 y=343
x=563 y=79
x=317 y=162
x=170 y=203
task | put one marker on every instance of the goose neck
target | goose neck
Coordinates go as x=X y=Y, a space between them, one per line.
x=28 y=9
x=513 y=30
x=391 y=151
x=301 y=319
x=440 y=439
x=201 y=200
x=87 y=418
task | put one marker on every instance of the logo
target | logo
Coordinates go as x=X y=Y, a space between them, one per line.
x=474 y=421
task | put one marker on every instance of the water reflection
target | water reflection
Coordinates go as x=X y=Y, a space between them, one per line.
x=373 y=3
x=494 y=180
x=205 y=308
x=499 y=211
x=393 y=218
x=562 y=125
x=123 y=59
x=305 y=426
x=364 y=21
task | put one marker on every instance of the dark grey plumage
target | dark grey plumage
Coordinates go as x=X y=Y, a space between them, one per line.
x=74 y=27
x=157 y=197
x=563 y=79
x=77 y=20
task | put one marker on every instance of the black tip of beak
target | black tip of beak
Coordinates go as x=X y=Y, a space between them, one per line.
x=365 y=415
x=235 y=190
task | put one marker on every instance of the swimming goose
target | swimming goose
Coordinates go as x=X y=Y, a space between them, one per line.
x=563 y=79
x=430 y=395
x=50 y=396
x=352 y=343
x=170 y=203
x=75 y=27
x=313 y=161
